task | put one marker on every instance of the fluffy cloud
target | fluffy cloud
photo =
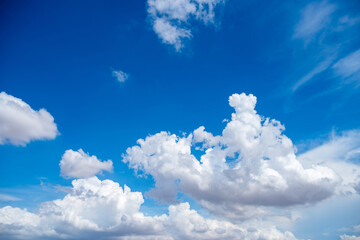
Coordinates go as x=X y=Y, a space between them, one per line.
x=341 y=153
x=315 y=17
x=97 y=209
x=19 y=123
x=251 y=164
x=349 y=237
x=171 y=18
x=120 y=75
x=78 y=164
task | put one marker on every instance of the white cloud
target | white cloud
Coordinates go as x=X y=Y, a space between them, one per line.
x=6 y=198
x=19 y=123
x=322 y=66
x=120 y=75
x=251 y=164
x=349 y=65
x=314 y=18
x=78 y=164
x=171 y=18
x=340 y=153
x=97 y=209
x=349 y=237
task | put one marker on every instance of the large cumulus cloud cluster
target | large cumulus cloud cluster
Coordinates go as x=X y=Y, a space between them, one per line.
x=252 y=163
x=242 y=177
x=95 y=209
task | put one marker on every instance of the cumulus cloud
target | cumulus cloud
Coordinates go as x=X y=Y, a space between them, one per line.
x=171 y=18
x=20 y=124
x=120 y=75
x=251 y=164
x=314 y=17
x=349 y=237
x=78 y=164
x=340 y=153
x=97 y=209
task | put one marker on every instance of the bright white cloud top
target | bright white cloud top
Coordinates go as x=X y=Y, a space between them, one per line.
x=171 y=18
x=78 y=164
x=20 y=124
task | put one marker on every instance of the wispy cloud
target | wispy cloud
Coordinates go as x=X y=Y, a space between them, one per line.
x=170 y=18
x=322 y=66
x=315 y=17
x=120 y=75
x=348 y=65
x=8 y=198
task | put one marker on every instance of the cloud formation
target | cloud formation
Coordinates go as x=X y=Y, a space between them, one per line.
x=340 y=153
x=251 y=164
x=314 y=18
x=170 y=18
x=97 y=209
x=78 y=164
x=20 y=124
x=120 y=75
x=348 y=65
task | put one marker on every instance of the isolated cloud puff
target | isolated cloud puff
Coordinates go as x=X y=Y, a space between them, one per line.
x=78 y=164
x=20 y=124
x=251 y=164
x=171 y=18
x=97 y=209
x=120 y=75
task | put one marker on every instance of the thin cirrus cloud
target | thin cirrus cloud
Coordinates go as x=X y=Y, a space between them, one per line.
x=95 y=209
x=319 y=25
x=120 y=75
x=250 y=165
x=349 y=65
x=170 y=18
x=314 y=18
x=78 y=164
x=20 y=124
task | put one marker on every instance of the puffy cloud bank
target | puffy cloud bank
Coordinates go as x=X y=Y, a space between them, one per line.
x=251 y=164
x=171 y=18
x=97 y=209
x=19 y=123
x=78 y=164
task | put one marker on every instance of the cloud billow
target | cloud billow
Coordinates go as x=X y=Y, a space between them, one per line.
x=20 y=124
x=78 y=164
x=263 y=171
x=95 y=209
x=170 y=18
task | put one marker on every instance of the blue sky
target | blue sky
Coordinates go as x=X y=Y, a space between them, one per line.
x=106 y=74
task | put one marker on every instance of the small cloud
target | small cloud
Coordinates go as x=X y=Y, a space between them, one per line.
x=20 y=124
x=78 y=164
x=171 y=18
x=8 y=198
x=120 y=75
